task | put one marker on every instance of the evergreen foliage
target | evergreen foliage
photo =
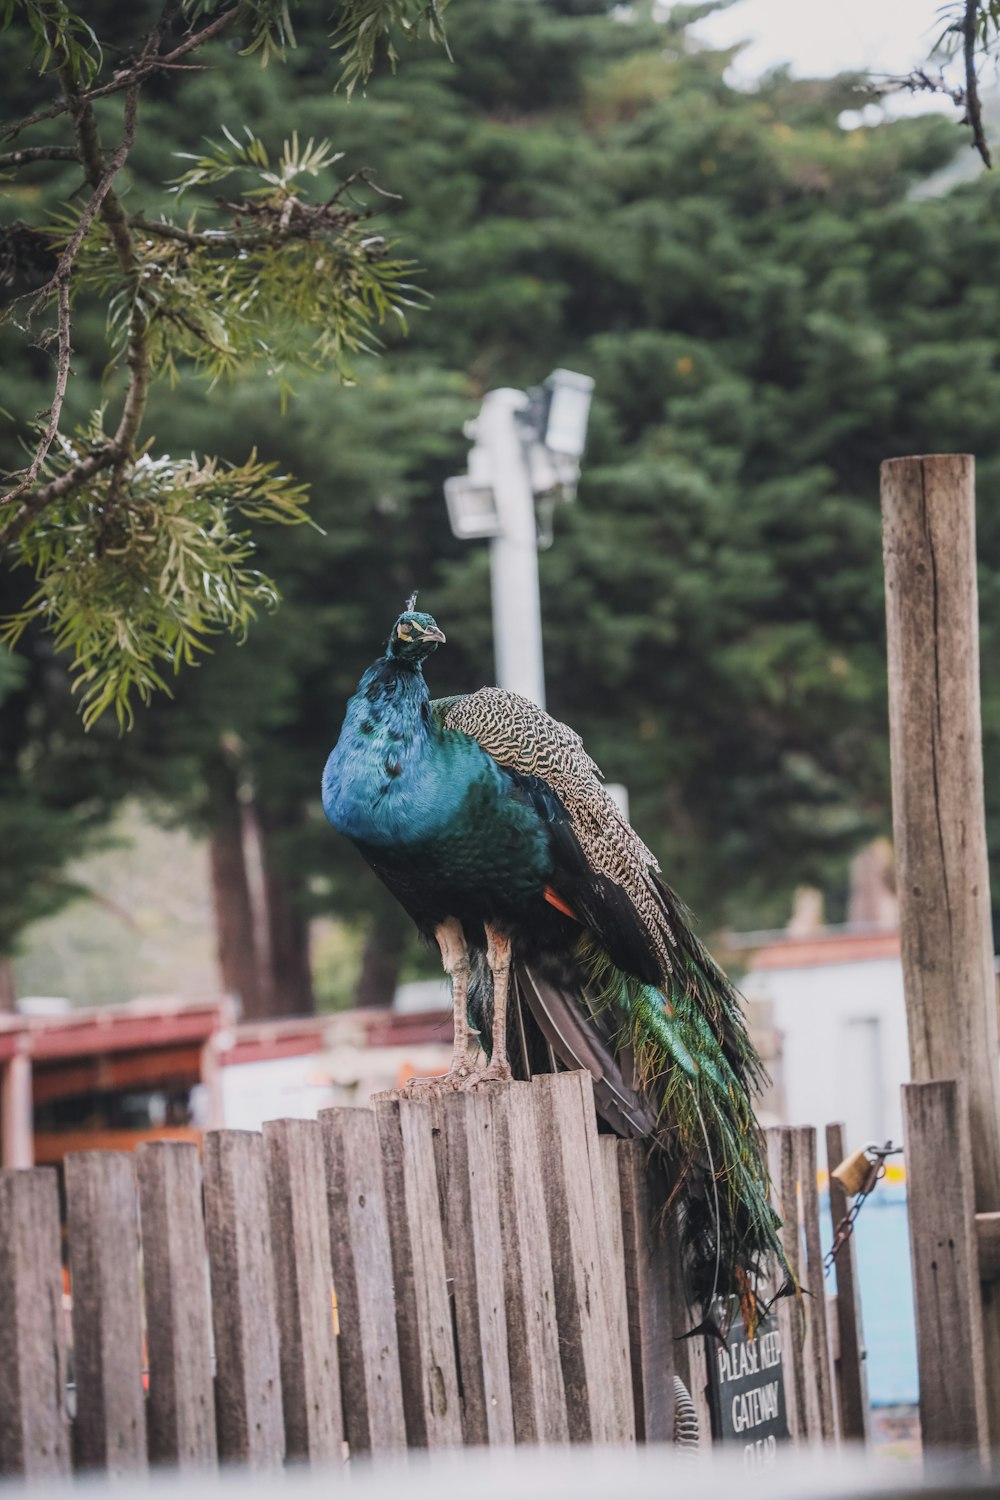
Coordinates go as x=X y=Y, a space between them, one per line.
x=768 y=311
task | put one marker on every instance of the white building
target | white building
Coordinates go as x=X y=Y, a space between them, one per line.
x=834 y=999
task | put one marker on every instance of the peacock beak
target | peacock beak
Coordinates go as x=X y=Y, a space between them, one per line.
x=433 y=635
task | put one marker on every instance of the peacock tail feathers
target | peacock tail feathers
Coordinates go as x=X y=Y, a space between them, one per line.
x=695 y=1061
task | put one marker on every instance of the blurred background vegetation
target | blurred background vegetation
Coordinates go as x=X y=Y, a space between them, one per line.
x=769 y=305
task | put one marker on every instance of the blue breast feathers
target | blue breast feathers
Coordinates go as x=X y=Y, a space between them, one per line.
x=394 y=777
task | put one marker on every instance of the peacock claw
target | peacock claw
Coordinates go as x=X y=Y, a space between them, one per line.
x=429 y=1088
x=495 y=1072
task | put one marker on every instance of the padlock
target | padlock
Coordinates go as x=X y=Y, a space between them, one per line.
x=853 y=1172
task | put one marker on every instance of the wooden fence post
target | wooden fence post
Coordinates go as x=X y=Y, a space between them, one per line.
x=423 y=1312
x=102 y=1226
x=652 y=1298
x=244 y=1318
x=465 y=1147
x=851 y=1367
x=929 y=544
x=595 y=1354
x=300 y=1242
x=34 y=1428
x=781 y=1164
x=945 y=1255
x=362 y=1278
x=181 y=1407
x=537 y=1387
x=819 y=1367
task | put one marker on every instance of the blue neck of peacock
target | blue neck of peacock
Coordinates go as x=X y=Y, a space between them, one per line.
x=368 y=784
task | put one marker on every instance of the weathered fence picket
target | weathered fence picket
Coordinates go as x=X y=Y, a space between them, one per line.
x=34 y=1422
x=181 y=1406
x=465 y=1149
x=244 y=1314
x=945 y=1255
x=303 y=1269
x=102 y=1228
x=652 y=1299
x=423 y=1312
x=362 y=1275
x=850 y=1365
x=538 y=1391
x=595 y=1356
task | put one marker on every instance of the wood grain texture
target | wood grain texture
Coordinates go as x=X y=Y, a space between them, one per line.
x=180 y=1411
x=782 y=1167
x=244 y=1317
x=939 y=826
x=819 y=1364
x=537 y=1388
x=34 y=1425
x=851 y=1365
x=652 y=1293
x=594 y=1350
x=103 y=1232
x=303 y=1270
x=423 y=1311
x=371 y=1387
x=988 y=1234
x=945 y=1257
x=465 y=1151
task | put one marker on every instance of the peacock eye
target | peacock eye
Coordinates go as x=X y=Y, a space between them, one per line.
x=404 y=632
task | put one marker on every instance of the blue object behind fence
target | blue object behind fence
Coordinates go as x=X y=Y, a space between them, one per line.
x=883 y=1245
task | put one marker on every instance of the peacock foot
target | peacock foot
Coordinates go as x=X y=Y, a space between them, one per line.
x=429 y=1088
x=494 y=1072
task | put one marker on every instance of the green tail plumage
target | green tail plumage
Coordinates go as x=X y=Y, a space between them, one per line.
x=696 y=1063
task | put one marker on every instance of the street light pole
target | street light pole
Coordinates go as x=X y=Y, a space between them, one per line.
x=517 y=611
x=525 y=456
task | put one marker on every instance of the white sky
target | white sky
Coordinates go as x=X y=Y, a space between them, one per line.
x=818 y=39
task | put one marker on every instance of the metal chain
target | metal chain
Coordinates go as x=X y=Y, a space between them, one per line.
x=876 y=1171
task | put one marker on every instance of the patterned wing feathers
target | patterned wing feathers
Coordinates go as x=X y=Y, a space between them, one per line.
x=522 y=737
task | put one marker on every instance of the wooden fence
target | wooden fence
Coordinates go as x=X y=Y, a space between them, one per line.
x=474 y=1270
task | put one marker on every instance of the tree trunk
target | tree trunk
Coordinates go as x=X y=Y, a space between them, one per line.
x=382 y=958
x=234 y=925
x=287 y=926
x=8 y=989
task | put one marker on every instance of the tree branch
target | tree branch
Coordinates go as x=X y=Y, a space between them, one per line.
x=38 y=153
x=101 y=179
x=973 y=109
x=126 y=77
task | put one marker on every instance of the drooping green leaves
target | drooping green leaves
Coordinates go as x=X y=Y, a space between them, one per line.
x=138 y=570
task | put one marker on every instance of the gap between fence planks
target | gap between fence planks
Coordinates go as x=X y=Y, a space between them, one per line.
x=181 y=1406
x=34 y=1422
x=102 y=1227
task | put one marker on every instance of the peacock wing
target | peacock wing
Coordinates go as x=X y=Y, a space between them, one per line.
x=524 y=739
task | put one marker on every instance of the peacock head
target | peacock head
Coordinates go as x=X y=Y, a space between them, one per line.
x=415 y=634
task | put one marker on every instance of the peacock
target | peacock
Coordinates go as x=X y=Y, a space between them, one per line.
x=488 y=821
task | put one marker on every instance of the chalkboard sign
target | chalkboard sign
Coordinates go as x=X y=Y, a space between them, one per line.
x=746 y=1389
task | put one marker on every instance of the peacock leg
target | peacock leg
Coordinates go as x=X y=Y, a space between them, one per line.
x=498 y=952
x=455 y=961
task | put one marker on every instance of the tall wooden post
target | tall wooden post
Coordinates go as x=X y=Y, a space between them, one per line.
x=929 y=543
